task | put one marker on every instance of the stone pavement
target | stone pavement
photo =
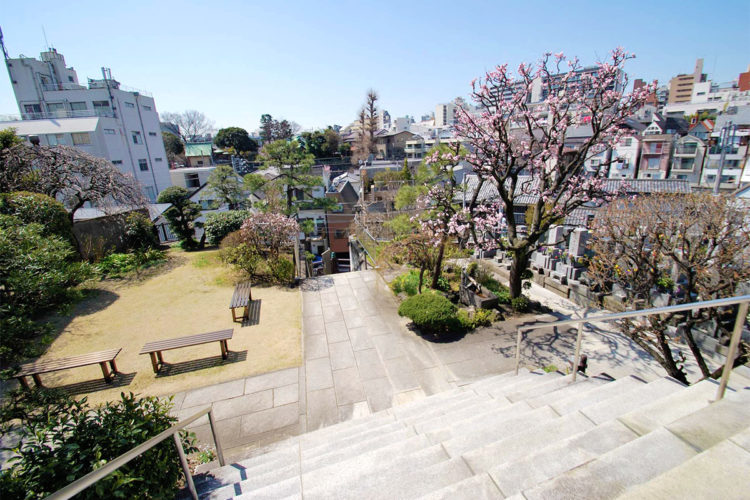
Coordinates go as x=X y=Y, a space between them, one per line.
x=360 y=358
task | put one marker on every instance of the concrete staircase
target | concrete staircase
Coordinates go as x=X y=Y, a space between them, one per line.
x=536 y=435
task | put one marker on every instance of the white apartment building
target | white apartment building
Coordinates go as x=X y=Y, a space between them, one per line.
x=103 y=118
x=445 y=114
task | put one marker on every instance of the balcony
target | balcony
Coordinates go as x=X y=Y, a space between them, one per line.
x=56 y=87
x=730 y=150
x=686 y=150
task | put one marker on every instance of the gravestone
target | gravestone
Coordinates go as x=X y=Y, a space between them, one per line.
x=556 y=236
x=578 y=239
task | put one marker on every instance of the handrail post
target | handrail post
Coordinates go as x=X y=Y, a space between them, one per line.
x=518 y=349
x=219 y=451
x=733 y=344
x=185 y=467
x=577 y=358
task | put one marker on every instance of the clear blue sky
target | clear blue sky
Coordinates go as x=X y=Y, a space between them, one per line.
x=313 y=61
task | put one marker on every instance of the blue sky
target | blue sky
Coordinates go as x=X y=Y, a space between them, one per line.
x=313 y=61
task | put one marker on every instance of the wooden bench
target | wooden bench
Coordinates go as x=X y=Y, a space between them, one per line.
x=154 y=349
x=241 y=298
x=52 y=365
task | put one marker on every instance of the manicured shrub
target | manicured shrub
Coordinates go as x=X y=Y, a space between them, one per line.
x=117 y=265
x=431 y=312
x=40 y=209
x=520 y=303
x=480 y=317
x=282 y=270
x=140 y=232
x=219 y=224
x=409 y=283
x=63 y=440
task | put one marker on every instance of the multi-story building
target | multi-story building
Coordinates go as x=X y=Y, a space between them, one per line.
x=625 y=158
x=730 y=133
x=103 y=118
x=681 y=86
x=656 y=147
x=687 y=159
x=445 y=114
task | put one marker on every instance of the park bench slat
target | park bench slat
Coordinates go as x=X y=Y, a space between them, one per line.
x=241 y=296
x=51 y=365
x=175 y=343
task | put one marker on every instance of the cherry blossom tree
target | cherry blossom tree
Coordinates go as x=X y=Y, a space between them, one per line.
x=524 y=147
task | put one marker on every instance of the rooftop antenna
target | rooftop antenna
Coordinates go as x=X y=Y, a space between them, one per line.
x=46 y=43
x=2 y=44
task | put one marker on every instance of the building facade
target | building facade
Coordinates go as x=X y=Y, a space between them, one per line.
x=102 y=118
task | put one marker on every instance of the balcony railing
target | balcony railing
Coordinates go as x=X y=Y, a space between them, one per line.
x=739 y=322
x=685 y=150
x=730 y=150
x=53 y=87
x=53 y=115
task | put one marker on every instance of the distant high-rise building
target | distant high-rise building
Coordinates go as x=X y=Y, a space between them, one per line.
x=743 y=82
x=681 y=86
x=445 y=114
x=102 y=118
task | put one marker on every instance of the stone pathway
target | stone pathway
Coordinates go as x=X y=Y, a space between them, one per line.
x=360 y=358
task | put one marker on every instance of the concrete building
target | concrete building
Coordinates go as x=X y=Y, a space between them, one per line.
x=625 y=158
x=103 y=118
x=191 y=178
x=199 y=154
x=445 y=114
x=687 y=159
x=681 y=86
x=392 y=145
x=737 y=122
x=656 y=148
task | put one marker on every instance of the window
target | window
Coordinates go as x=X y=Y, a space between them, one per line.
x=157 y=159
x=101 y=108
x=200 y=162
x=147 y=108
x=81 y=138
x=628 y=141
x=339 y=233
x=78 y=106
x=55 y=139
x=101 y=104
x=150 y=194
x=192 y=181
x=116 y=162
x=32 y=108
x=129 y=104
x=653 y=163
x=109 y=131
x=143 y=164
x=152 y=134
x=137 y=138
x=55 y=106
x=70 y=79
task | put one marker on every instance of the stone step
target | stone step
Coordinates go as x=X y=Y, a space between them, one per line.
x=250 y=483
x=515 y=447
x=613 y=407
x=543 y=388
x=374 y=442
x=742 y=439
x=417 y=407
x=446 y=419
x=442 y=407
x=353 y=439
x=577 y=401
x=559 y=457
x=533 y=380
x=478 y=487
x=451 y=428
x=609 y=475
x=344 y=429
x=261 y=464
x=670 y=408
x=478 y=434
x=495 y=378
x=409 y=482
x=719 y=472
x=710 y=425
x=581 y=386
x=286 y=490
x=335 y=481
x=496 y=383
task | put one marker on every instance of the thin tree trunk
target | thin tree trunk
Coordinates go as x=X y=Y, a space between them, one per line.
x=438 y=265
x=694 y=348
x=669 y=363
x=421 y=278
x=518 y=266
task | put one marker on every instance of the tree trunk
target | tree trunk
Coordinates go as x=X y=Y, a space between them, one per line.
x=421 y=278
x=518 y=266
x=438 y=265
x=694 y=348
x=669 y=364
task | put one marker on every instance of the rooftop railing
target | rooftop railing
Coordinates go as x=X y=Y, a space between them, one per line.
x=52 y=87
x=742 y=301
x=55 y=115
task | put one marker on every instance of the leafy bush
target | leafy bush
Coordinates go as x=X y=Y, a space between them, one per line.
x=480 y=317
x=409 y=283
x=140 y=232
x=431 y=312
x=218 y=225
x=550 y=368
x=117 y=265
x=63 y=440
x=520 y=303
x=282 y=270
x=501 y=291
x=40 y=209
x=665 y=284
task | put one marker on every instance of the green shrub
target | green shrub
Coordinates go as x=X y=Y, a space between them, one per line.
x=40 y=209
x=431 y=312
x=550 y=368
x=407 y=283
x=480 y=317
x=471 y=269
x=63 y=440
x=140 y=232
x=219 y=224
x=282 y=270
x=520 y=303
x=117 y=265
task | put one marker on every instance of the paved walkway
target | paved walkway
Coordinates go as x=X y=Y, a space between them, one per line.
x=360 y=358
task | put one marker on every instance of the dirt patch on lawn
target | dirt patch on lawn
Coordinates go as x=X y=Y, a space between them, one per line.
x=189 y=295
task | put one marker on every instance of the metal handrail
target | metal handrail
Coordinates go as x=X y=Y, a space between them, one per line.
x=742 y=300
x=92 y=477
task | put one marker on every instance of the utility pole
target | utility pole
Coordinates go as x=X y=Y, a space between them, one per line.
x=726 y=139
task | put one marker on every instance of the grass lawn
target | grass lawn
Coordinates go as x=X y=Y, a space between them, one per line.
x=189 y=295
